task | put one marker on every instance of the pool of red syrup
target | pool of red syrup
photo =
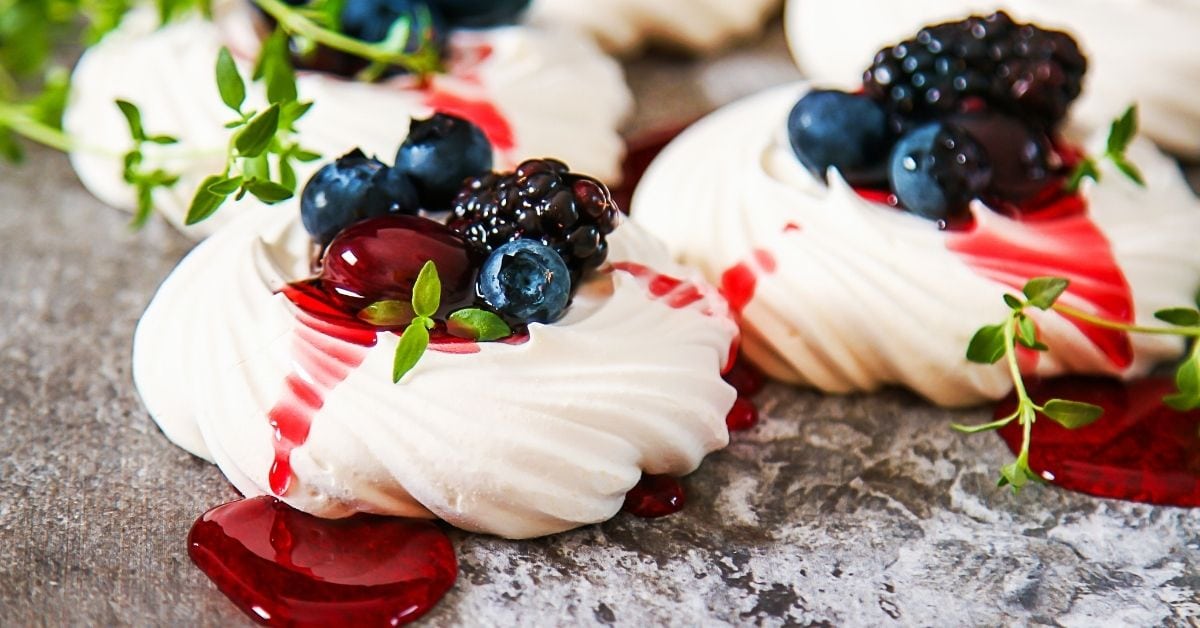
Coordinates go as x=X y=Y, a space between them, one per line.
x=1140 y=450
x=286 y=568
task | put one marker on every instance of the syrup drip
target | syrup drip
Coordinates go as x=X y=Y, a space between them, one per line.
x=655 y=496
x=1070 y=246
x=742 y=416
x=284 y=567
x=1140 y=450
x=483 y=114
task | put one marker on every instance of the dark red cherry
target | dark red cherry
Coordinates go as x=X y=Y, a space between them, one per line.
x=379 y=259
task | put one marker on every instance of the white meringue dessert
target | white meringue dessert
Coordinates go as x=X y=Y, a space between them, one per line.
x=1144 y=50
x=847 y=294
x=624 y=26
x=512 y=439
x=536 y=92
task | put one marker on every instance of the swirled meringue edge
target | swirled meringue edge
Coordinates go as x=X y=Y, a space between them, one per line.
x=860 y=296
x=559 y=95
x=1138 y=50
x=515 y=440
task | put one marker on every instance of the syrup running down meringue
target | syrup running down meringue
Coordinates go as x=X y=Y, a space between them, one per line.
x=517 y=439
x=847 y=294
x=525 y=87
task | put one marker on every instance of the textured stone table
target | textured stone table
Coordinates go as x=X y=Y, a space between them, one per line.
x=860 y=510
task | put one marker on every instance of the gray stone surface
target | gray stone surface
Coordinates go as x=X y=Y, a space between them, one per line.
x=861 y=510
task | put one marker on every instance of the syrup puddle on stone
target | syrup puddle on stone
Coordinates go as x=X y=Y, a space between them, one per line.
x=1140 y=450
x=283 y=567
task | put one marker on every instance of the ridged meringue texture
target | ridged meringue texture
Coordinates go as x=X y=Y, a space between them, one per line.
x=852 y=295
x=535 y=92
x=623 y=26
x=1146 y=51
x=517 y=440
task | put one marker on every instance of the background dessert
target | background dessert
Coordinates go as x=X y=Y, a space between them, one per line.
x=1143 y=50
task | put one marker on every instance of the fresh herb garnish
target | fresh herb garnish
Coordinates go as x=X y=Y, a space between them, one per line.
x=143 y=180
x=995 y=342
x=318 y=24
x=261 y=139
x=426 y=299
x=1120 y=136
x=478 y=325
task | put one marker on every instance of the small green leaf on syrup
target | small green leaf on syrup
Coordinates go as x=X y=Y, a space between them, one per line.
x=1072 y=414
x=427 y=291
x=479 y=325
x=387 y=313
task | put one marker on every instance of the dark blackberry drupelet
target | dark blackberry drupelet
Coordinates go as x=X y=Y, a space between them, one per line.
x=542 y=200
x=1024 y=70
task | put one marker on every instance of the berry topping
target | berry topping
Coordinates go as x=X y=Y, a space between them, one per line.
x=937 y=169
x=351 y=189
x=542 y=200
x=440 y=154
x=372 y=20
x=380 y=259
x=840 y=130
x=1024 y=70
x=480 y=13
x=527 y=281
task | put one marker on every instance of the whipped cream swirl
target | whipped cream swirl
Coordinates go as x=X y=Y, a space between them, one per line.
x=851 y=295
x=517 y=440
x=1146 y=51
x=535 y=92
x=626 y=25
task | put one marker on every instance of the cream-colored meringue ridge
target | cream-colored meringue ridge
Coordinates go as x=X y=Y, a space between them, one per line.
x=1146 y=51
x=560 y=95
x=852 y=295
x=516 y=440
x=624 y=26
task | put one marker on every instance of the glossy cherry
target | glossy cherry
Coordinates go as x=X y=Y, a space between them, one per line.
x=379 y=259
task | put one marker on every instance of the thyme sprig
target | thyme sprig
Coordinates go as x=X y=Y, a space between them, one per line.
x=1120 y=136
x=992 y=343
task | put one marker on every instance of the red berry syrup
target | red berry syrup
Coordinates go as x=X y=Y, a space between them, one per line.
x=283 y=567
x=1140 y=450
x=655 y=496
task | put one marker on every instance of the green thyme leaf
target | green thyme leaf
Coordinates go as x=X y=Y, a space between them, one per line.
x=411 y=347
x=305 y=156
x=479 y=325
x=1129 y=170
x=133 y=116
x=988 y=345
x=162 y=140
x=388 y=313
x=1187 y=380
x=1013 y=302
x=268 y=192
x=1017 y=474
x=1122 y=131
x=1043 y=292
x=225 y=187
x=256 y=136
x=205 y=202
x=229 y=81
x=1087 y=168
x=275 y=68
x=145 y=206
x=1179 y=316
x=1026 y=332
x=1072 y=414
x=287 y=174
x=427 y=291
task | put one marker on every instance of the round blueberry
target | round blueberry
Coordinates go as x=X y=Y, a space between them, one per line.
x=439 y=154
x=844 y=131
x=937 y=169
x=479 y=13
x=527 y=281
x=353 y=188
x=372 y=20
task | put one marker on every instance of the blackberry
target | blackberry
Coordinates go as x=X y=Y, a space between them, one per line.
x=542 y=200
x=1027 y=71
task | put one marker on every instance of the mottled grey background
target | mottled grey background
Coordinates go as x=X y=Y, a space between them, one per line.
x=860 y=510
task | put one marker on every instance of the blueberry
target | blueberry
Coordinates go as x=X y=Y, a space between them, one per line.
x=480 y=13
x=848 y=132
x=372 y=20
x=439 y=154
x=937 y=169
x=353 y=188
x=527 y=281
